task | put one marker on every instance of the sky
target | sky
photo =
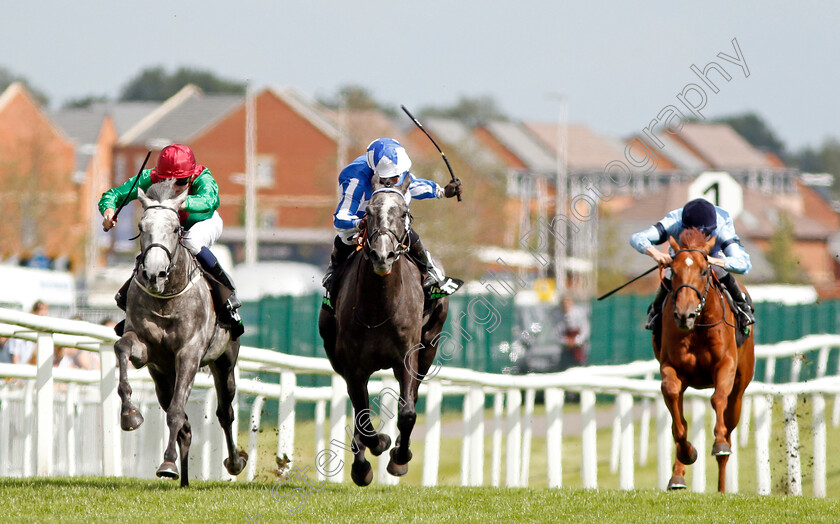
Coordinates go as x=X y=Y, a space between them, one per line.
x=616 y=63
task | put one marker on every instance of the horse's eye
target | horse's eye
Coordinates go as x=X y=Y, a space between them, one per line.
x=177 y=229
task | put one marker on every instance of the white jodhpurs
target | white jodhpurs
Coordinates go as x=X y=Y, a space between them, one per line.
x=204 y=233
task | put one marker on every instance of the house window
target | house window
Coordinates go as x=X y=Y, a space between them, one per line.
x=265 y=171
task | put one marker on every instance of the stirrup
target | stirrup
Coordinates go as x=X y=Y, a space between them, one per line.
x=233 y=303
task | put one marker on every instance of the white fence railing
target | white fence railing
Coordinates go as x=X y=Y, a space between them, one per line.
x=82 y=407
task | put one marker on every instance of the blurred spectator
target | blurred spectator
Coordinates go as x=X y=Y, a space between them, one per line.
x=5 y=356
x=25 y=351
x=573 y=333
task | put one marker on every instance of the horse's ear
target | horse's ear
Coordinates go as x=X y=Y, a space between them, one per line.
x=674 y=245
x=406 y=183
x=180 y=199
x=141 y=196
x=710 y=244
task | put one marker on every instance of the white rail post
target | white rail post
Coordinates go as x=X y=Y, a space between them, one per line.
x=615 y=443
x=28 y=425
x=320 y=417
x=476 y=436
x=769 y=370
x=466 y=440
x=44 y=395
x=794 y=467
x=207 y=426
x=388 y=413
x=338 y=420
x=589 y=440
x=70 y=398
x=554 y=435
x=744 y=424
x=698 y=439
x=111 y=452
x=762 y=406
x=796 y=367
x=514 y=437
x=818 y=403
x=822 y=361
x=253 y=430
x=644 y=427
x=664 y=445
x=286 y=417
x=732 y=475
x=835 y=414
x=5 y=422
x=496 y=459
x=625 y=402
x=525 y=470
x=431 y=452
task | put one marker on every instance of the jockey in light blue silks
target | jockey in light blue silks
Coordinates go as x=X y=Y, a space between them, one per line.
x=727 y=256
x=387 y=159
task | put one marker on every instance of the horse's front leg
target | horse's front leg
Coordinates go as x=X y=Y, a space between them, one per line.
x=128 y=344
x=672 y=392
x=407 y=416
x=186 y=366
x=364 y=434
x=724 y=383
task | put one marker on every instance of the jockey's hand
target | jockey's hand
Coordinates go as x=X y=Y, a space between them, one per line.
x=108 y=220
x=453 y=188
x=663 y=259
x=715 y=261
x=363 y=223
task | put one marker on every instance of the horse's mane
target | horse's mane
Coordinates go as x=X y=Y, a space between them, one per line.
x=161 y=191
x=693 y=238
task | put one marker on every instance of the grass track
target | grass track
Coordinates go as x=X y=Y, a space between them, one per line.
x=124 y=500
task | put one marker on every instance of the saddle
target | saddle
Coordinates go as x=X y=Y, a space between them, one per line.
x=741 y=331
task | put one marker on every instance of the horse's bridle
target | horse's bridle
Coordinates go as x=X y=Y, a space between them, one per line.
x=165 y=249
x=400 y=240
x=701 y=296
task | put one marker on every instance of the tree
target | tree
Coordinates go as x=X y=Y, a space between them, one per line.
x=610 y=254
x=471 y=111
x=352 y=97
x=84 y=101
x=7 y=78
x=155 y=84
x=755 y=131
x=780 y=253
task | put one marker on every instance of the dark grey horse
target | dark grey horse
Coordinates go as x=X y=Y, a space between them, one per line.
x=171 y=327
x=379 y=323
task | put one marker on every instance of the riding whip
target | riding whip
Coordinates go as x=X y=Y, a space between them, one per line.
x=628 y=283
x=423 y=129
x=142 y=167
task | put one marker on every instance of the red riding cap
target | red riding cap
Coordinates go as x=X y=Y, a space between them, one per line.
x=175 y=161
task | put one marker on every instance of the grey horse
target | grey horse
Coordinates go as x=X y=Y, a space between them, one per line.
x=171 y=327
x=379 y=323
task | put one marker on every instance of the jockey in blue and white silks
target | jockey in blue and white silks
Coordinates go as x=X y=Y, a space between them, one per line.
x=388 y=160
x=726 y=256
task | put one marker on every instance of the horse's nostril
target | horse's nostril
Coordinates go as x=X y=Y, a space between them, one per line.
x=162 y=274
x=391 y=254
x=692 y=315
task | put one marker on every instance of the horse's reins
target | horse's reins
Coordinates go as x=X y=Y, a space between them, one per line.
x=171 y=257
x=701 y=296
x=364 y=242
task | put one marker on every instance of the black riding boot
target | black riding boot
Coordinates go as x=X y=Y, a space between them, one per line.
x=340 y=253
x=211 y=265
x=745 y=311
x=655 y=309
x=122 y=298
x=425 y=262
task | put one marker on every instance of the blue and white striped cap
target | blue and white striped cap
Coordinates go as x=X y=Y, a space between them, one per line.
x=388 y=159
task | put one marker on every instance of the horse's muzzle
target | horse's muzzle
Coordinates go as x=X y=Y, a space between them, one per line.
x=685 y=321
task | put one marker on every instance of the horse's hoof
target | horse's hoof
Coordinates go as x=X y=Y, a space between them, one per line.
x=131 y=420
x=398 y=470
x=721 y=449
x=362 y=475
x=688 y=458
x=238 y=464
x=384 y=443
x=677 y=483
x=168 y=470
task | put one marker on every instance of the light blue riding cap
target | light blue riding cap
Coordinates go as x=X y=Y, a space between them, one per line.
x=388 y=159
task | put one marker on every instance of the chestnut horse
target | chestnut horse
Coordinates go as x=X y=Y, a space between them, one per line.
x=698 y=349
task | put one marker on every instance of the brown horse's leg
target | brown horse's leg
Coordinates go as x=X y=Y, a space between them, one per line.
x=223 y=377
x=407 y=416
x=130 y=417
x=724 y=382
x=186 y=367
x=672 y=392
x=731 y=417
